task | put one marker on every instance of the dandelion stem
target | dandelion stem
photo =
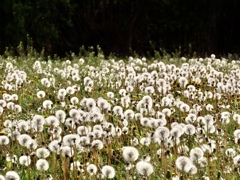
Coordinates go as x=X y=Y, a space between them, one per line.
x=109 y=153
x=54 y=167
x=66 y=170
x=28 y=172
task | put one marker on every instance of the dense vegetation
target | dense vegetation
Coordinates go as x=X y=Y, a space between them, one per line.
x=136 y=118
x=122 y=26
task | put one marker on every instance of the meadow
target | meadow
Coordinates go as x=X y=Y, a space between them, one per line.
x=135 y=118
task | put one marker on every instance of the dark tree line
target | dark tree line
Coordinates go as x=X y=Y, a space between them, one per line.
x=122 y=26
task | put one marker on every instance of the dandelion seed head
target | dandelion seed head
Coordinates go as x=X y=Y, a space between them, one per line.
x=176 y=132
x=210 y=128
x=108 y=172
x=144 y=168
x=144 y=121
x=6 y=98
x=41 y=94
x=196 y=154
x=54 y=146
x=74 y=113
x=134 y=141
x=32 y=144
x=62 y=92
x=191 y=118
x=3 y=103
x=193 y=170
x=190 y=129
x=110 y=95
x=146 y=158
x=7 y=123
x=236 y=117
x=92 y=169
x=67 y=151
x=14 y=97
x=23 y=126
x=61 y=115
x=129 y=114
x=4 y=140
x=125 y=130
x=209 y=107
x=77 y=165
x=47 y=104
x=42 y=153
x=87 y=81
x=167 y=112
x=97 y=144
x=11 y=105
x=74 y=100
x=45 y=82
x=208 y=120
x=161 y=133
x=91 y=103
x=117 y=110
x=183 y=163
x=42 y=165
x=71 y=140
x=183 y=82
x=52 y=121
x=24 y=139
x=38 y=120
x=149 y=90
x=70 y=90
x=236 y=160
x=230 y=152
x=12 y=175
x=130 y=154
x=82 y=130
x=25 y=160
x=184 y=107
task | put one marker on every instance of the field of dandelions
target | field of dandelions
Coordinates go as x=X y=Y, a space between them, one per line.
x=136 y=118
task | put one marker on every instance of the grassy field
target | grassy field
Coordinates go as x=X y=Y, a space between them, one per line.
x=135 y=118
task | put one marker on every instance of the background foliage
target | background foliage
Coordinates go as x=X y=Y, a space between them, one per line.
x=122 y=26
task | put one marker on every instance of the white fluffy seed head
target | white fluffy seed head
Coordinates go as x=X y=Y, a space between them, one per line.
x=41 y=94
x=24 y=139
x=108 y=172
x=12 y=175
x=196 y=154
x=144 y=168
x=97 y=144
x=92 y=169
x=61 y=115
x=42 y=153
x=183 y=163
x=52 y=121
x=193 y=170
x=67 y=151
x=4 y=140
x=25 y=160
x=47 y=104
x=42 y=165
x=130 y=154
